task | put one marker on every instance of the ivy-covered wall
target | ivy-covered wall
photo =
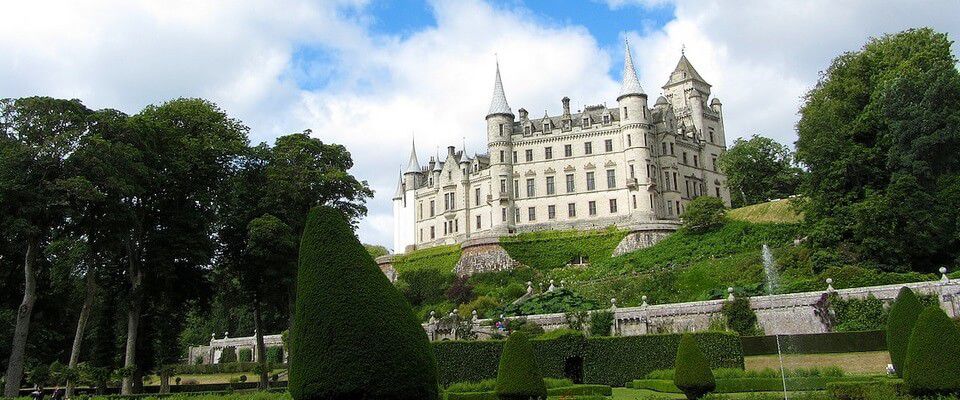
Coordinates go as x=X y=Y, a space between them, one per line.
x=555 y=249
x=442 y=258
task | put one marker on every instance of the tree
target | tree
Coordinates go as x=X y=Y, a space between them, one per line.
x=37 y=137
x=353 y=335
x=518 y=376
x=759 y=169
x=900 y=322
x=703 y=214
x=879 y=134
x=376 y=250
x=933 y=355
x=692 y=372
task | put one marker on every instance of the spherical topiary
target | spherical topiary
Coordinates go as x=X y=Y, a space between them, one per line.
x=903 y=315
x=519 y=376
x=933 y=355
x=692 y=372
x=354 y=336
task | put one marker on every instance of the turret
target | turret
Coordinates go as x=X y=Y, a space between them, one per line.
x=635 y=129
x=499 y=129
x=412 y=174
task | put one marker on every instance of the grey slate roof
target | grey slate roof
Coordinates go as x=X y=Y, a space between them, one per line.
x=683 y=72
x=413 y=165
x=498 y=105
x=630 y=84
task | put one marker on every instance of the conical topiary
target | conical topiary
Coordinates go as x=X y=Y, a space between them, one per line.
x=354 y=336
x=933 y=355
x=903 y=315
x=518 y=377
x=692 y=372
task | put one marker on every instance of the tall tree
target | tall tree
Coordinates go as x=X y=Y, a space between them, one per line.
x=759 y=169
x=37 y=136
x=879 y=134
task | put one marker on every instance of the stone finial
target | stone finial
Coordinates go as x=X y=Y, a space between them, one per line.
x=433 y=317
x=613 y=303
x=529 y=287
x=943 y=275
x=474 y=313
x=562 y=284
x=830 y=285
x=644 y=299
x=213 y=336
x=730 y=296
x=226 y=335
x=551 y=288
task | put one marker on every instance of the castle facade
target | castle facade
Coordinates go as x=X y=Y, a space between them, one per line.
x=628 y=166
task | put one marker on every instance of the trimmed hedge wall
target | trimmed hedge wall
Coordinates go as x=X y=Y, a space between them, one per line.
x=566 y=392
x=816 y=343
x=554 y=249
x=611 y=361
x=743 y=385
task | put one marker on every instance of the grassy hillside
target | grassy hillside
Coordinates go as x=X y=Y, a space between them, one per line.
x=441 y=258
x=779 y=211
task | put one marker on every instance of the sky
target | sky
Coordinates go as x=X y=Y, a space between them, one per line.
x=374 y=75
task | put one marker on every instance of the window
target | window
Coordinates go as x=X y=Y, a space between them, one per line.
x=572 y=210
x=432 y=210
x=501 y=129
x=611 y=178
x=675 y=182
x=713 y=162
x=449 y=175
x=666 y=180
x=629 y=141
x=503 y=186
x=608 y=145
x=588 y=148
x=591 y=182
x=477 y=197
x=433 y=232
x=711 y=135
x=664 y=145
x=551 y=187
x=718 y=191
x=503 y=214
x=570 y=187
x=530 y=188
x=531 y=214
x=548 y=153
x=586 y=122
x=528 y=155
x=671 y=149
x=568 y=150
x=516 y=215
x=592 y=207
x=606 y=119
x=478 y=222
x=546 y=127
x=696 y=161
x=625 y=113
x=632 y=175
x=526 y=130
x=635 y=201
x=613 y=206
x=669 y=208
x=514 y=157
x=551 y=212
x=421 y=234
x=684 y=157
x=516 y=187
x=651 y=201
x=501 y=156
x=456 y=225
x=679 y=209
x=446 y=226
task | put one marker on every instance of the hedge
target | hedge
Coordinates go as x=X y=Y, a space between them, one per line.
x=354 y=335
x=816 y=343
x=933 y=355
x=611 y=361
x=565 y=392
x=743 y=385
x=244 y=355
x=518 y=376
x=900 y=320
x=866 y=389
x=692 y=374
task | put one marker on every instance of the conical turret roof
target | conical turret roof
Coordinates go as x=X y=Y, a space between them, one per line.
x=399 y=192
x=683 y=72
x=630 y=84
x=498 y=105
x=413 y=165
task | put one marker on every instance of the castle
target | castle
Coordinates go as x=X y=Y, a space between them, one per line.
x=630 y=166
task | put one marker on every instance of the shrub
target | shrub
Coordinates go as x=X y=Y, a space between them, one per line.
x=518 y=376
x=460 y=291
x=933 y=355
x=693 y=375
x=228 y=355
x=703 y=214
x=244 y=355
x=484 y=305
x=900 y=321
x=353 y=335
x=859 y=314
x=557 y=301
x=425 y=285
x=740 y=317
x=275 y=355
x=600 y=323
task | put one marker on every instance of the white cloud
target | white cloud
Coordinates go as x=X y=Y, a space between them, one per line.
x=760 y=57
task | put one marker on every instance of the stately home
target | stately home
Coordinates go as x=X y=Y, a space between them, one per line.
x=631 y=165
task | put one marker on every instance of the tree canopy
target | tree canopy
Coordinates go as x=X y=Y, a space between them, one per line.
x=759 y=169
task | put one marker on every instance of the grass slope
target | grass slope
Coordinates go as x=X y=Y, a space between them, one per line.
x=777 y=211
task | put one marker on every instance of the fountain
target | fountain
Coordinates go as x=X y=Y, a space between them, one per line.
x=772 y=278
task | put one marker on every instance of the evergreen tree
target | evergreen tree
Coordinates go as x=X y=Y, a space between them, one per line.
x=933 y=355
x=900 y=321
x=518 y=376
x=692 y=372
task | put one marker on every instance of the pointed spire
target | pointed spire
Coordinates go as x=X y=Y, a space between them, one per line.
x=630 y=84
x=399 y=193
x=413 y=165
x=499 y=103
x=684 y=71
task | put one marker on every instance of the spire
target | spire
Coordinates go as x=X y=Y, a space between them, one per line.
x=630 y=85
x=499 y=103
x=684 y=71
x=399 y=193
x=413 y=165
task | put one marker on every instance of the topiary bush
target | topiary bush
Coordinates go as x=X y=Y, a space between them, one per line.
x=900 y=321
x=228 y=355
x=740 y=317
x=518 y=376
x=933 y=355
x=353 y=336
x=692 y=372
x=245 y=355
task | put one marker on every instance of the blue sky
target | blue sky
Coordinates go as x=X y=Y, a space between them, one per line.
x=371 y=74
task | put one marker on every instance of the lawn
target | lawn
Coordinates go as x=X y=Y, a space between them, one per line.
x=153 y=380
x=779 y=211
x=865 y=363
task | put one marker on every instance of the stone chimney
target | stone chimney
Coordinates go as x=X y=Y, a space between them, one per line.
x=566 y=105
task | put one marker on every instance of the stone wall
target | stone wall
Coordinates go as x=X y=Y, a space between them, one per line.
x=386 y=266
x=210 y=354
x=483 y=255
x=645 y=236
x=780 y=314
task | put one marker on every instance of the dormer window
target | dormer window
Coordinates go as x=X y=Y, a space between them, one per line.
x=586 y=122
x=606 y=119
x=546 y=127
x=526 y=130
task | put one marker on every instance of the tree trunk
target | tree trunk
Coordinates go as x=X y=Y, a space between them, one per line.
x=264 y=383
x=133 y=318
x=15 y=365
x=91 y=291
